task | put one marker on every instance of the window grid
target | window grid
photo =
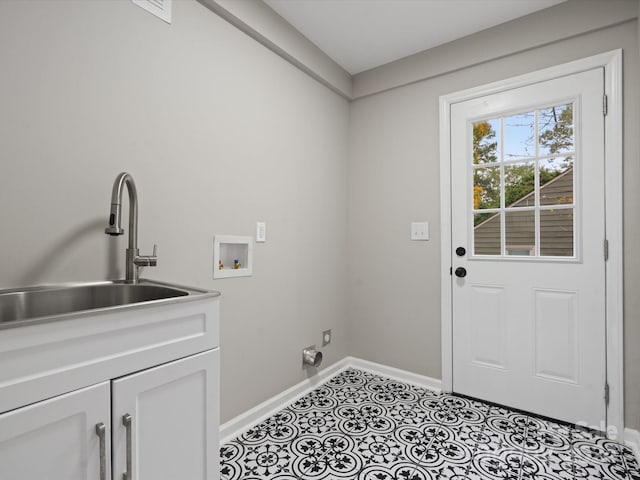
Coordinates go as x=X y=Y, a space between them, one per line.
x=501 y=162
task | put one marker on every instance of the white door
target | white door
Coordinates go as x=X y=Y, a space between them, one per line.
x=171 y=414
x=527 y=173
x=57 y=438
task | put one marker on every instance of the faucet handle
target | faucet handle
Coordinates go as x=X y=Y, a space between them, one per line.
x=152 y=260
x=147 y=260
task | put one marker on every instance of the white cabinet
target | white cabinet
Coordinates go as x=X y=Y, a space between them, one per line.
x=172 y=431
x=158 y=364
x=171 y=422
x=56 y=439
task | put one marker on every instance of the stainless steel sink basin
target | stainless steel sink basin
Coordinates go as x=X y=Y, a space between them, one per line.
x=48 y=302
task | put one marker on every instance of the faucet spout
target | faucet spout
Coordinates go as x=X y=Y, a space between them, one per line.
x=133 y=258
x=115 y=216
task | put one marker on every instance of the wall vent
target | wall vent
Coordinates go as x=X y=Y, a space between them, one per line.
x=160 y=8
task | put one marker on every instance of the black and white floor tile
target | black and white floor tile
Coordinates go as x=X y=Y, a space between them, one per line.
x=363 y=426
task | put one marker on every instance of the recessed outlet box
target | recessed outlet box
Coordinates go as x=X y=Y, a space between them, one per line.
x=232 y=256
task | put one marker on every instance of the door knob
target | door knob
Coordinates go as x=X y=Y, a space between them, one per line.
x=460 y=251
x=461 y=272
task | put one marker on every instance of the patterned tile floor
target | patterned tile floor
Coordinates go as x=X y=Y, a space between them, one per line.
x=362 y=426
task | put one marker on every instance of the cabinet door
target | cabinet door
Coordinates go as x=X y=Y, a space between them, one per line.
x=173 y=412
x=57 y=439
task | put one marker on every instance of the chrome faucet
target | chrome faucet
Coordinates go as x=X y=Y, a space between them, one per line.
x=133 y=260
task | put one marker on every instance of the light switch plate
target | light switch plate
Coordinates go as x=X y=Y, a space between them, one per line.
x=261 y=232
x=420 y=231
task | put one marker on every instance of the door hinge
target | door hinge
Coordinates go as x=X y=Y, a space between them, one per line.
x=450 y=270
x=606 y=394
x=605 y=105
x=606 y=249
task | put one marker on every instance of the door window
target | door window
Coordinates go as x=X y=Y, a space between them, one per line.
x=523 y=189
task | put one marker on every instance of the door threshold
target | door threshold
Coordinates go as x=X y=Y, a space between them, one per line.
x=580 y=428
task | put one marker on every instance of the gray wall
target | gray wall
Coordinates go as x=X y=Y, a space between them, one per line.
x=394 y=284
x=218 y=133
x=259 y=21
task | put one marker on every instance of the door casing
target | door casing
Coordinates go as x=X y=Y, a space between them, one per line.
x=612 y=64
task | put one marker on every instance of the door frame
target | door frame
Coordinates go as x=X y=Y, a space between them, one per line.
x=612 y=64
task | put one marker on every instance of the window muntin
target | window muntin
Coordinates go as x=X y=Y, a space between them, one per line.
x=523 y=187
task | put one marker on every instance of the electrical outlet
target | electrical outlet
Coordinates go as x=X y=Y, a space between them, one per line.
x=326 y=337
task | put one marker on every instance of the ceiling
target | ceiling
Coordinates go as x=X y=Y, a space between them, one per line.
x=363 y=34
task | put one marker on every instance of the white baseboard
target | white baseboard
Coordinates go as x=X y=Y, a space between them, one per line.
x=396 y=374
x=237 y=425
x=257 y=414
x=632 y=440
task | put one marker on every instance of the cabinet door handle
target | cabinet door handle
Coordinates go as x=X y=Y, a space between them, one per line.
x=126 y=421
x=100 y=431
